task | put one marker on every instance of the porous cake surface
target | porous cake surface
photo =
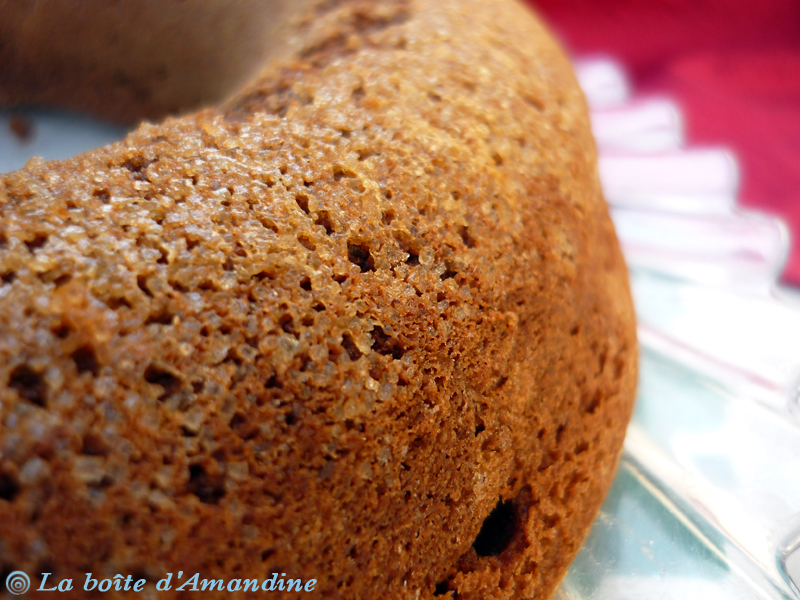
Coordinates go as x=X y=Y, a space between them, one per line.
x=327 y=328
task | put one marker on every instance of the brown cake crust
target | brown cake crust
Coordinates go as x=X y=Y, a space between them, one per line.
x=324 y=328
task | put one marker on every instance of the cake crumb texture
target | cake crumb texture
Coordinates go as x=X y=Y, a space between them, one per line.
x=367 y=322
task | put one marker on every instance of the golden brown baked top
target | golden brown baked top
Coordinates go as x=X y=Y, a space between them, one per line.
x=324 y=328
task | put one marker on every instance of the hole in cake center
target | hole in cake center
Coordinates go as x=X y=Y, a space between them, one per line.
x=50 y=133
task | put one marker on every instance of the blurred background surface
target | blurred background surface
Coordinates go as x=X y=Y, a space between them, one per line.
x=733 y=66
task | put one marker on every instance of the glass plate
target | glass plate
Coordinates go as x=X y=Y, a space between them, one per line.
x=706 y=502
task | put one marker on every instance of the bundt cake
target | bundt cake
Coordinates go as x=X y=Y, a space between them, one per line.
x=364 y=323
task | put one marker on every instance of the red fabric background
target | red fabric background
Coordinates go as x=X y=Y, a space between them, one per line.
x=734 y=67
